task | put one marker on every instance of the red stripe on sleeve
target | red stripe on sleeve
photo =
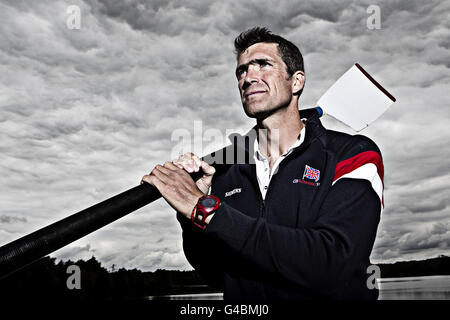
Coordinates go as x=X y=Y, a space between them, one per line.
x=350 y=164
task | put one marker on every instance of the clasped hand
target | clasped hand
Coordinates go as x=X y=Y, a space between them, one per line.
x=176 y=185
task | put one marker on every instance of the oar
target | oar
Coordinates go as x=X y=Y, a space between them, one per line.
x=356 y=99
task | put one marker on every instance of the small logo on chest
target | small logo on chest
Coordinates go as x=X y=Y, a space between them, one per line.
x=230 y=193
x=311 y=174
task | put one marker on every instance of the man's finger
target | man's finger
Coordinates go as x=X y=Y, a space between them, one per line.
x=197 y=162
x=144 y=179
x=178 y=164
x=186 y=156
x=171 y=166
x=188 y=164
x=207 y=169
x=153 y=180
x=162 y=173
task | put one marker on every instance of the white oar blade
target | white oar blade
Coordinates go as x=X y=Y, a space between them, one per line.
x=356 y=99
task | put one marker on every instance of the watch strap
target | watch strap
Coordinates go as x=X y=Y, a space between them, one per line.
x=200 y=213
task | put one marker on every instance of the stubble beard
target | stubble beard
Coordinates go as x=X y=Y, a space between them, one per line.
x=262 y=112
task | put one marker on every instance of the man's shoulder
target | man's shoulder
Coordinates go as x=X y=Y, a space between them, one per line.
x=357 y=157
x=346 y=146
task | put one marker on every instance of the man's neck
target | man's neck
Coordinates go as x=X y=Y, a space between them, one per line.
x=278 y=132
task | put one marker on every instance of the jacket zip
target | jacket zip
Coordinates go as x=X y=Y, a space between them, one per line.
x=263 y=209
x=262 y=214
x=289 y=157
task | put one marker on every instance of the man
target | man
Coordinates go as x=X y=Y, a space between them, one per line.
x=298 y=219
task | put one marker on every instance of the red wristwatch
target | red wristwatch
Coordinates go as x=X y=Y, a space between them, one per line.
x=206 y=206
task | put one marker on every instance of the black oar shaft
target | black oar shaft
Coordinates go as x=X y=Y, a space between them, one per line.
x=33 y=246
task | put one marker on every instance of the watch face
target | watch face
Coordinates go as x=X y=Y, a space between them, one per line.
x=208 y=202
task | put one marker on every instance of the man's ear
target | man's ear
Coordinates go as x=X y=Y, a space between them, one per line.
x=299 y=82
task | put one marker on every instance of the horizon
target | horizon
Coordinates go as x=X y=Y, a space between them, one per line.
x=115 y=267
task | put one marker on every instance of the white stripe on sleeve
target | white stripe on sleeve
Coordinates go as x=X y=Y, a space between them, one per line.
x=369 y=172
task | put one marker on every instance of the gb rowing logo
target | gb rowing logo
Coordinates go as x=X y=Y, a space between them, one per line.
x=311 y=174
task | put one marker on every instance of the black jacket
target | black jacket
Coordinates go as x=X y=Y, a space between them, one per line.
x=309 y=239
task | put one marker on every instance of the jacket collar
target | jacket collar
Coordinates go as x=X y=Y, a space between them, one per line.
x=313 y=125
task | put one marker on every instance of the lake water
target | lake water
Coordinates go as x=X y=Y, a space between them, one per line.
x=415 y=288
x=411 y=288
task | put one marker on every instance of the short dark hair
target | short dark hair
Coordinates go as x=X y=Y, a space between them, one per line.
x=289 y=52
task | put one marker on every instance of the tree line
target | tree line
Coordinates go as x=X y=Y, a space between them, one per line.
x=48 y=279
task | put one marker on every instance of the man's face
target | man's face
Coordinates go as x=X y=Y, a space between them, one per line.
x=263 y=80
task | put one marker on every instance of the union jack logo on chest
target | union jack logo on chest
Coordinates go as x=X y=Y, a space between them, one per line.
x=311 y=173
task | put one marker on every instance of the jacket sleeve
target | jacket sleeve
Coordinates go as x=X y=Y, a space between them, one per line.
x=319 y=257
x=201 y=252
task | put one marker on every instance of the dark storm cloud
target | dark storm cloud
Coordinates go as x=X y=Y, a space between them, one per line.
x=173 y=17
x=162 y=17
x=427 y=207
x=11 y=219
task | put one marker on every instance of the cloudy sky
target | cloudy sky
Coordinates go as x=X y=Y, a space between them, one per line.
x=84 y=113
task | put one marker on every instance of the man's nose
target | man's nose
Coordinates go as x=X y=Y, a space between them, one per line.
x=251 y=76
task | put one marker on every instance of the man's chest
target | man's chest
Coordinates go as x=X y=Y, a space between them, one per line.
x=293 y=194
